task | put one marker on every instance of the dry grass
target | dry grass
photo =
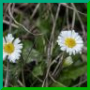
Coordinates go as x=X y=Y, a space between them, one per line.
x=29 y=21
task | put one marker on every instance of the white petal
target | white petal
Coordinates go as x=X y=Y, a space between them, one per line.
x=18 y=47
x=4 y=56
x=63 y=34
x=18 y=51
x=73 y=52
x=9 y=38
x=78 y=38
x=61 y=44
x=79 y=41
x=12 y=58
x=75 y=35
x=17 y=41
x=67 y=50
x=4 y=40
x=70 y=51
x=63 y=48
x=69 y=34
x=79 y=46
x=60 y=41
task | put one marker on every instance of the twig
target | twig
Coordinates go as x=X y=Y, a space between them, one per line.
x=61 y=85
x=9 y=11
x=20 y=83
x=73 y=20
x=45 y=79
x=39 y=79
x=23 y=80
x=7 y=22
x=60 y=61
x=35 y=10
x=7 y=75
x=67 y=6
x=81 y=22
x=54 y=23
x=10 y=22
x=19 y=24
x=67 y=18
x=80 y=83
x=50 y=46
x=49 y=69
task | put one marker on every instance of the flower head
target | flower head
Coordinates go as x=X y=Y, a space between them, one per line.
x=11 y=48
x=70 y=41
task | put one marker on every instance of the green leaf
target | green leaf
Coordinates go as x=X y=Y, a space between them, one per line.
x=43 y=26
x=71 y=73
x=34 y=55
x=40 y=44
x=38 y=71
x=74 y=72
x=57 y=84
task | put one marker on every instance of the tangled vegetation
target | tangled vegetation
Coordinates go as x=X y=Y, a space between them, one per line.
x=42 y=63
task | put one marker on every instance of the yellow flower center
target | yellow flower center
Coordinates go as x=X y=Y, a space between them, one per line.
x=8 y=48
x=70 y=42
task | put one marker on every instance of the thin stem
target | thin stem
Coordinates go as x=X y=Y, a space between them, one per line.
x=19 y=24
x=73 y=20
x=7 y=22
x=7 y=75
x=35 y=10
x=71 y=8
x=59 y=83
x=10 y=22
x=50 y=46
x=23 y=78
x=79 y=18
x=67 y=17
x=60 y=61
x=80 y=83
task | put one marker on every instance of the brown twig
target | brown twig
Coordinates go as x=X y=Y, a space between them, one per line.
x=7 y=75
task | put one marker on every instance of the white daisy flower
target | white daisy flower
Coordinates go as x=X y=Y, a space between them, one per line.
x=70 y=41
x=11 y=48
